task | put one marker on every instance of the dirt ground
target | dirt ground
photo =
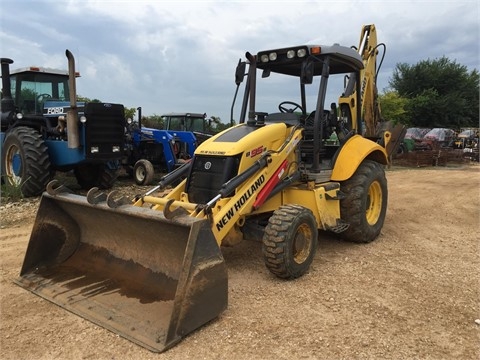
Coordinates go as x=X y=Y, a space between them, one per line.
x=411 y=294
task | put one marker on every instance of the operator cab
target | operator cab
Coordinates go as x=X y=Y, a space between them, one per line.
x=33 y=86
x=325 y=125
x=185 y=122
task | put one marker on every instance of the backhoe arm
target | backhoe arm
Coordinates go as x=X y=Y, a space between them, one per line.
x=370 y=106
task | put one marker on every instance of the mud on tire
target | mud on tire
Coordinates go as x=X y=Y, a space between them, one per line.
x=290 y=241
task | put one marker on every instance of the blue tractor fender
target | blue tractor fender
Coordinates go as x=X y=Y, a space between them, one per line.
x=162 y=137
x=186 y=137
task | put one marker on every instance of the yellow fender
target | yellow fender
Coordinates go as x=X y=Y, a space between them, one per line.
x=351 y=155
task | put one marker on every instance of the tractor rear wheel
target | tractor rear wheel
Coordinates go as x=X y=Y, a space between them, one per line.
x=143 y=172
x=365 y=204
x=95 y=175
x=25 y=161
x=290 y=241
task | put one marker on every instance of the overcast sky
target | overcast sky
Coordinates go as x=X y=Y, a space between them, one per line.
x=176 y=56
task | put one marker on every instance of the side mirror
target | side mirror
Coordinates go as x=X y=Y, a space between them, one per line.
x=306 y=76
x=240 y=72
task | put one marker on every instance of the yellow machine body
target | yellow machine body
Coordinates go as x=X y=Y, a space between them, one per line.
x=152 y=269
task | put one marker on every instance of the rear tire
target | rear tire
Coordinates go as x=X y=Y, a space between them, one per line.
x=95 y=175
x=290 y=241
x=365 y=205
x=25 y=161
x=143 y=172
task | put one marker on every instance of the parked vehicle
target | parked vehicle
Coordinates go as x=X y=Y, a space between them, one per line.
x=413 y=137
x=147 y=150
x=188 y=129
x=466 y=139
x=44 y=130
x=437 y=138
x=153 y=271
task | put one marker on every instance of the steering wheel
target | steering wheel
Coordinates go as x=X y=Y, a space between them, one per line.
x=296 y=106
x=43 y=97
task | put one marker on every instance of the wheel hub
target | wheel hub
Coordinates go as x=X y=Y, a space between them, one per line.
x=302 y=244
x=374 y=203
x=13 y=165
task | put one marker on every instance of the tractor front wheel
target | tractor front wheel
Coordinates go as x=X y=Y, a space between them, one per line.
x=290 y=241
x=25 y=161
x=95 y=175
x=143 y=172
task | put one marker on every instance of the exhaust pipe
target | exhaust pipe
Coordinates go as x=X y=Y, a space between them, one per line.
x=139 y=109
x=72 y=112
x=8 y=105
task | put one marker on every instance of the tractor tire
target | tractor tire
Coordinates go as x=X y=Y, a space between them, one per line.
x=25 y=161
x=95 y=175
x=365 y=204
x=143 y=172
x=290 y=241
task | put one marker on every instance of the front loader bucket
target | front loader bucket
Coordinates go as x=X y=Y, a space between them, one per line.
x=130 y=270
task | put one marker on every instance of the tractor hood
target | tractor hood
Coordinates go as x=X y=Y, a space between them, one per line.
x=55 y=108
x=152 y=134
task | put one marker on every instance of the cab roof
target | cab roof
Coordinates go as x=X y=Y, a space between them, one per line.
x=38 y=69
x=342 y=60
x=187 y=114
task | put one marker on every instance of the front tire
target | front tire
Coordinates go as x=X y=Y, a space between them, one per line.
x=25 y=161
x=290 y=241
x=95 y=175
x=143 y=172
x=365 y=204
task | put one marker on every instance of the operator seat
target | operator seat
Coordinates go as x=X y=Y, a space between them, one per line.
x=325 y=122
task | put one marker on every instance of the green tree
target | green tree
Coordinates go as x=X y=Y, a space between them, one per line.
x=215 y=125
x=130 y=113
x=394 y=107
x=86 y=99
x=439 y=93
x=153 y=121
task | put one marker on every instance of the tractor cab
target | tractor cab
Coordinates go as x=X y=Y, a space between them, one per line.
x=188 y=129
x=311 y=70
x=33 y=87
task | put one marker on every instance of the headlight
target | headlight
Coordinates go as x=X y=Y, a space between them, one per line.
x=116 y=149
x=83 y=119
x=301 y=53
x=264 y=58
x=272 y=56
x=290 y=54
x=19 y=116
x=94 y=149
x=129 y=121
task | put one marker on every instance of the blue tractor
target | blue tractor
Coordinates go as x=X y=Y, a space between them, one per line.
x=189 y=131
x=148 y=150
x=44 y=130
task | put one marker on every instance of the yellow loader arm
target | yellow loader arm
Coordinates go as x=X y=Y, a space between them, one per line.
x=240 y=196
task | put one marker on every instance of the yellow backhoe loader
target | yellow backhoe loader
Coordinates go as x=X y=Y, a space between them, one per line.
x=152 y=269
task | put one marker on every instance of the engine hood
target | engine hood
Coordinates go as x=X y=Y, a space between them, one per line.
x=244 y=138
